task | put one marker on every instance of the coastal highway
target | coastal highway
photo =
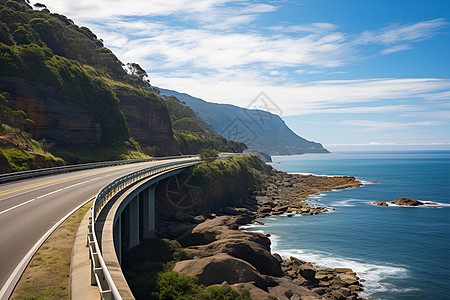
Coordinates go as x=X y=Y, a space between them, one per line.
x=29 y=208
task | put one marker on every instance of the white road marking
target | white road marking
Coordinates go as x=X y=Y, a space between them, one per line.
x=49 y=194
x=18 y=205
x=71 y=186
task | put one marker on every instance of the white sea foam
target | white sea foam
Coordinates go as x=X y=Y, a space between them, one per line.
x=346 y=202
x=374 y=274
x=426 y=204
x=250 y=226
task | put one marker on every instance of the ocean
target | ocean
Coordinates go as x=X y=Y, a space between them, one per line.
x=401 y=252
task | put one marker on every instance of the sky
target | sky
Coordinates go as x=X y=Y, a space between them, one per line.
x=350 y=74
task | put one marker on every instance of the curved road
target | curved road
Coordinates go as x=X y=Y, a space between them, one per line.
x=29 y=208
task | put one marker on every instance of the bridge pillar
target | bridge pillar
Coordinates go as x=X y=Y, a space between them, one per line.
x=134 y=223
x=149 y=212
x=118 y=239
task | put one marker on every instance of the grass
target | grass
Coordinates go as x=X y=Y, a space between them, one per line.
x=15 y=159
x=48 y=274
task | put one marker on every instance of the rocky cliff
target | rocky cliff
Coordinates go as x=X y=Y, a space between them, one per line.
x=148 y=121
x=58 y=117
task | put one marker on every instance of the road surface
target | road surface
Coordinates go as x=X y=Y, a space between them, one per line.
x=29 y=208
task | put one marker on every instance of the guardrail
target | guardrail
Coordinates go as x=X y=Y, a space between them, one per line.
x=99 y=273
x=64 y=169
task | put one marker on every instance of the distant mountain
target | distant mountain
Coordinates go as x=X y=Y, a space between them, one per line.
x=258 y=129
x=193 y=134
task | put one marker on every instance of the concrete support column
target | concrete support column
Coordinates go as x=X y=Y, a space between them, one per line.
x=149 y=212
x=117 y=231
x=134 y=223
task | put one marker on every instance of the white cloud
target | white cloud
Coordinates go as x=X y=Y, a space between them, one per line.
x=369 y=125
x=441 y=114
x=394 y=49
x=388 y=144
x=241 y=86
x=403 y=33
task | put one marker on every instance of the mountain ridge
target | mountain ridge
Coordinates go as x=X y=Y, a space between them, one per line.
x=259 y=129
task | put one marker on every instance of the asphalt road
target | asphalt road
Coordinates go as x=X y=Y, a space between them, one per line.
x=29 y=208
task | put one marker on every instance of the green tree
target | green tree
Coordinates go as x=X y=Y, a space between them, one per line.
x=209 y=155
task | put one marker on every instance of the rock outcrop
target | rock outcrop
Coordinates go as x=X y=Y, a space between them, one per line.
x=406 y=201
x=380 y=203
x=219 y=268
x=58 y=118
x=148 y=121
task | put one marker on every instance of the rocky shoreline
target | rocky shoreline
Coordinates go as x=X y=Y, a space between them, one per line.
x=217 y=252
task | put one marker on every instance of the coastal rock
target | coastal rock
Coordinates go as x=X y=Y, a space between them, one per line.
x=206 y=232
x=406 y=201
x=248 y=251
x=380 y=203
x=255 y=292
x=307 y=271
x=349 y=279
x=286 y=289
x=219 y=268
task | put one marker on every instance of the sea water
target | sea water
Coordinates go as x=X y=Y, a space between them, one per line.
x=401 y=252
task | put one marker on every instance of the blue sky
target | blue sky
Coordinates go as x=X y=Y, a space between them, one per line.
x=353 y=75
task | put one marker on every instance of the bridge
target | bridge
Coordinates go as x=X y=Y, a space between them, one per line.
x=122 y=215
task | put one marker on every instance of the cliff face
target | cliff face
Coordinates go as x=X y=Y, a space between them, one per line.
x=148 y=121
x=58 y=118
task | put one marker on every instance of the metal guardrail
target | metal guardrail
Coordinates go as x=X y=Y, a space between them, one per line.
x=99 y=272
x=64 y=169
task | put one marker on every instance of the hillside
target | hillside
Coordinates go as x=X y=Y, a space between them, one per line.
x=78 y=97
x=260 y=130
x=193 y=134
x=76 y=91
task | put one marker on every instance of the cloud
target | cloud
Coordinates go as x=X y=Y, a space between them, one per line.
x=400 y=37
x=441 y=114
x=394 y=49
x=388 y=144
x=380 y=125
x=337 y=96
x=403 y=33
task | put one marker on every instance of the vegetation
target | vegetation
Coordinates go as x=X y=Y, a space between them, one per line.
x=250 y=165
x=19 y=152
x=148 y=270
x=209 y=155
x=48 y=48
x=193 y=134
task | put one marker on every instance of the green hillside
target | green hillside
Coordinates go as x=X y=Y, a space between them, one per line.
x=85 y=103
x=193 y=134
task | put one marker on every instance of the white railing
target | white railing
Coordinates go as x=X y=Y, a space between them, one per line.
x=64 y=169
x=100 y=274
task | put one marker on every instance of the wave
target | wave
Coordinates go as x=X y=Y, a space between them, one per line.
x=426 y=204
x=374 y=275
x=346 y=202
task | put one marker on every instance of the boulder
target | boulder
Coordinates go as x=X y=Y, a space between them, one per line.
x=380 y=203
x=207 y=231
x=307 y=271
x=255 y=292
x=259 y=238
x=348 y=279
x=405 y=201
x=286 y=289
x=246 y=250
x=219 y=268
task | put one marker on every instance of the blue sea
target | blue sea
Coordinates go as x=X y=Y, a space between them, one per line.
x=401 y=252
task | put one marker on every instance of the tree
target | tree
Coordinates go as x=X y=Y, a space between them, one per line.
x=209 y=155
x=136 y=70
